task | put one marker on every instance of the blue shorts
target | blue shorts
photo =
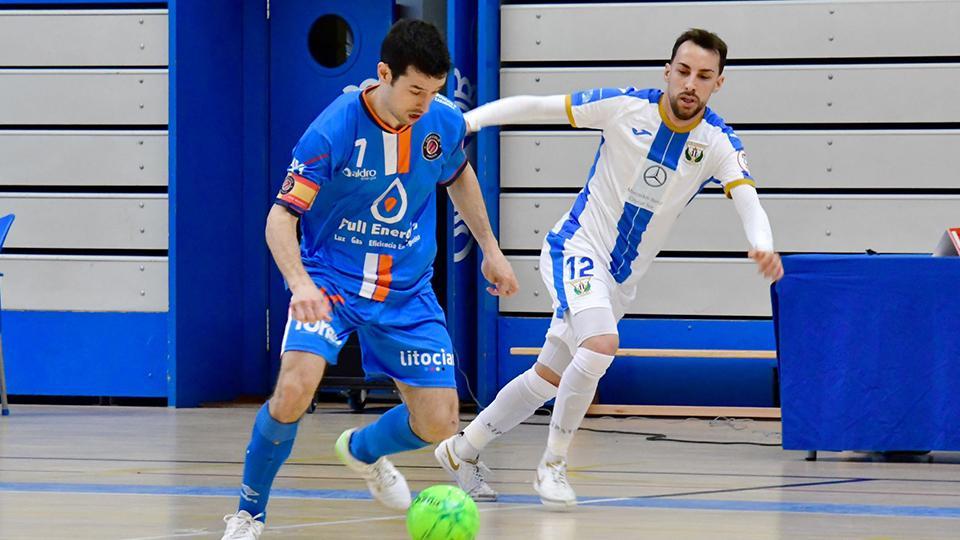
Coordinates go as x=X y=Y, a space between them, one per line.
x=404 y=339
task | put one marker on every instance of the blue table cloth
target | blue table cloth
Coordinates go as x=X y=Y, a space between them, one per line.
x=869 y=352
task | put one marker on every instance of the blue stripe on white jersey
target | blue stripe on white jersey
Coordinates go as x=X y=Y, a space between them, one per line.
x=633 y=222
x=714 y=119
x=710 y=180
x=666 y=150
x=594 y=95
x=569 y=228
x=667 y=147
x=650 y=94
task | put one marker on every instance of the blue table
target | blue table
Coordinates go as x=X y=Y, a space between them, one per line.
x=869 y=352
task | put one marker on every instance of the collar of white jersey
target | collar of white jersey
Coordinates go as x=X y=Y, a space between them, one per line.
x=666 y=119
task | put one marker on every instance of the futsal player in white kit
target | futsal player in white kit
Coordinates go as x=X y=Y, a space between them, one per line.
x=657 y=151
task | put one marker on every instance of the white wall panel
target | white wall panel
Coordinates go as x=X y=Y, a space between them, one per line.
x=92 y=221
x=89 y=158
x=60 y=283
x=782 y=94
x=34 y=38
x=778 y=159
x=729 y=287
x=807 y=223
x=56 y=96
x=793 y=29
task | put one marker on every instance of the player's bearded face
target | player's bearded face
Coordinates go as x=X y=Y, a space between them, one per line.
x=412 y=93
x=692 y=77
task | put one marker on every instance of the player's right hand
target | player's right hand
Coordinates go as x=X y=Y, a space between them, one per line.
x=769 y=264
x=498 y=271
x=309 y=305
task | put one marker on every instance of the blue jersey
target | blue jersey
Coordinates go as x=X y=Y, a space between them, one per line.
x=366 y=194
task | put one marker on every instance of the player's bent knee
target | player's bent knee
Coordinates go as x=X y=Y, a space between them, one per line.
x=292 y=389
x=290 y=399
x=287 y=412
x=435 y=425
x=300 y=374
x=604 y=344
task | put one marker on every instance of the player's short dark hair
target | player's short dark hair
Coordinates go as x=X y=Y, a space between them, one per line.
x=703 y=38
x=416 y=43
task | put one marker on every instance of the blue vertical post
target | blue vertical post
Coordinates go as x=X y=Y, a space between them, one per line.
x=206 y=128
x=461 y=249
x=488 y=162
x=254 y=362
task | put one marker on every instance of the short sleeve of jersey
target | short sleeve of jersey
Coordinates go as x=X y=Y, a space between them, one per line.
x=594 y=108
x=731 y=170
x=312 y=166
x=456 y=160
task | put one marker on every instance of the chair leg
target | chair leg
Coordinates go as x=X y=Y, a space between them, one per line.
x=4 y=410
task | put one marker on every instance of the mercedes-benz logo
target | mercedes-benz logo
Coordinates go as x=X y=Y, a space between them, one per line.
x=655 y=176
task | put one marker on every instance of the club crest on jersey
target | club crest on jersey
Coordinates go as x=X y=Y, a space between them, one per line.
x=431 y=147
x=288 y=184
x=581 y=287
x=391 y=205
x=693 y=153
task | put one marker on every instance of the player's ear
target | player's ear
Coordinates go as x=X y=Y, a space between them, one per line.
x=383 y=73
x=720 y=81
x=666 y=72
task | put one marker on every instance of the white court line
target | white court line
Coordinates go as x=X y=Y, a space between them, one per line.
x=504 y=507
x=280 y=528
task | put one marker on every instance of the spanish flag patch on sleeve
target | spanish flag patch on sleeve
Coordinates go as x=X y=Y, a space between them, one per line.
x=298 y=192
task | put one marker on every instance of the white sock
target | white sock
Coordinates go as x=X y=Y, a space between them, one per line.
x=578 y=385
x=463 y=448
x=515 y=402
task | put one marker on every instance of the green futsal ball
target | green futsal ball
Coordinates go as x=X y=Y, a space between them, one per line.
x=443 y=513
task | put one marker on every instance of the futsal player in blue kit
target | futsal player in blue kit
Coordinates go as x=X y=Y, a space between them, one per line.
x=362 y=187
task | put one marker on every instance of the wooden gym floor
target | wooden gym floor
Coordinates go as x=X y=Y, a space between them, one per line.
x=117 y=473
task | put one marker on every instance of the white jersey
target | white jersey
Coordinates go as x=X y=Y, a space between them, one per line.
x=645 y=173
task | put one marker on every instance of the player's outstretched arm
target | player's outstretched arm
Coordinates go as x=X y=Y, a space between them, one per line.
x=308 y=304
x=468 y=199
x=518 y=110
x=757 y=227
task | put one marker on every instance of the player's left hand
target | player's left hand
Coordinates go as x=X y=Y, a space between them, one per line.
x=497 y=270
x=769 y=263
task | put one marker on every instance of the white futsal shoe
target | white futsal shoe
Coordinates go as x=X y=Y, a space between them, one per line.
x=469 y=474
x=386 y=484
x=242 y=526
x=553 y=487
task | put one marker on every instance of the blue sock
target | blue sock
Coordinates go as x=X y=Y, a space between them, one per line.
x=270 y=445
x=388 y=435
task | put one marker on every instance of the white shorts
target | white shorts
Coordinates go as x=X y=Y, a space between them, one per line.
x=578 y=279
x=587 y=301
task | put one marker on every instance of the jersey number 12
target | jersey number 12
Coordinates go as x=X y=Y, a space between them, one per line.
x=585 y=267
